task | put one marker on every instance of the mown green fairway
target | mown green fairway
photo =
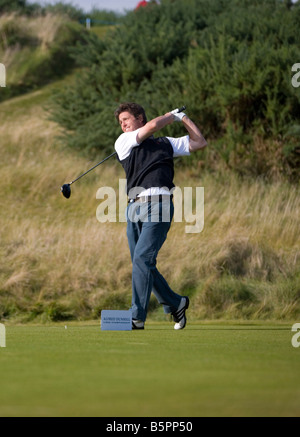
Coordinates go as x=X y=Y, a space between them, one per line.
x=204 y=370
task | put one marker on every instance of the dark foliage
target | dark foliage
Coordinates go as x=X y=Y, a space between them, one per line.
x=228 y=61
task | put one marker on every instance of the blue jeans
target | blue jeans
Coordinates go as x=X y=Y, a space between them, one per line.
x=147 y=228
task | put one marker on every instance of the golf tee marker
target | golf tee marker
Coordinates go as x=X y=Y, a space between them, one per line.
x=114 y=320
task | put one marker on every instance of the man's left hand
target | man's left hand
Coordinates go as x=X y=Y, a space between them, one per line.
x=178 y=116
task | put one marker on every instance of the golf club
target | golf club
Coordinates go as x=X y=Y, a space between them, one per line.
x=66 y=188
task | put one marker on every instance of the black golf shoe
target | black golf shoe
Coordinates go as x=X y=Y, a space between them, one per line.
x=179 y=316
x=137 y=324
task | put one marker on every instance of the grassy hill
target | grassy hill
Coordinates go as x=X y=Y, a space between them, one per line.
x=35 y=50
x=59 y=262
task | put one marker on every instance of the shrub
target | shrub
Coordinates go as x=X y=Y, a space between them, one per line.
x=230 y=63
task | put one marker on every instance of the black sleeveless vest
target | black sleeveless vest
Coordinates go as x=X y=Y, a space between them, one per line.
x=150 y=164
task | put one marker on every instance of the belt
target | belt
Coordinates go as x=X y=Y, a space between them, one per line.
x=155 y=198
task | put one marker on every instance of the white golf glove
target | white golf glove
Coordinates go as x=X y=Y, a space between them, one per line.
x=178 y=116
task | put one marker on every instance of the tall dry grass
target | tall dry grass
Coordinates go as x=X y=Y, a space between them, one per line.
x=44 y=27
x=59 y=262
x=245 y=263
x=37 y=31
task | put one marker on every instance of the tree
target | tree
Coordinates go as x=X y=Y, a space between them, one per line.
x=12 y=5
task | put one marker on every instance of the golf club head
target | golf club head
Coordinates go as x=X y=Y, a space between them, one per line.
x=66 y=190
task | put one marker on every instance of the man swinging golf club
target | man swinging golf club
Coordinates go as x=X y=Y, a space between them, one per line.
x=149 y=168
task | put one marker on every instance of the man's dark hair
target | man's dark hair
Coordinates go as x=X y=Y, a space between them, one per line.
x=133 y=108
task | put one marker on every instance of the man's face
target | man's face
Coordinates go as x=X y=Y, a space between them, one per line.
x=129 y=123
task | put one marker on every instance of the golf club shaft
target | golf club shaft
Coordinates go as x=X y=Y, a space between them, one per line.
x=93 y=168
